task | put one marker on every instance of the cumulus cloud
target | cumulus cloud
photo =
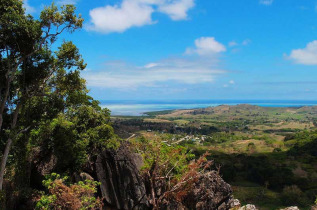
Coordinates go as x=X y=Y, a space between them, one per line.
x=307 y=55
x=28 y=8
x=135 y=13
x=177 y=10
x=179 y=70
x=266 y=2
x=119 y=18
x=206 y=46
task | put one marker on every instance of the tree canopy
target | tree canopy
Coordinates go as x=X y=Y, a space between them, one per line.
x=44 y=103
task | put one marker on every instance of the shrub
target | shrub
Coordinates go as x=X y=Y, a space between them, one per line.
x=251 y=147
x=277 y=150
x=292 y=195
x=73 y=197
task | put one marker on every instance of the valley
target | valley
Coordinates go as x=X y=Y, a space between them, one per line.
x=268 y=154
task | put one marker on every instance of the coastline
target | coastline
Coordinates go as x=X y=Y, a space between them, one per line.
x=139 y=108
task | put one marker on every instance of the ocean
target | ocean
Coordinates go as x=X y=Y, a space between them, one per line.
x=138 y=108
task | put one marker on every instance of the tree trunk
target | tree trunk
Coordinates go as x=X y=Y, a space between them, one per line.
x=1 y=121
x=4 y=100
x=4 y=161
x=8 y=146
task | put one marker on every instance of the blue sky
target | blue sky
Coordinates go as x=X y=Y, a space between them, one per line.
x=197 y=49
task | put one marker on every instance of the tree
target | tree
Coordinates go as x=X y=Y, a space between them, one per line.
x=29 y=69
x=74 y=137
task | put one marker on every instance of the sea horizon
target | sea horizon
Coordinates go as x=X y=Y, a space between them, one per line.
x=140 y=107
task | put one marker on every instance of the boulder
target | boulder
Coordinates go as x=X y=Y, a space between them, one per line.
x=209 y=192
x=248 y=207
x=42 y=163
x=291 y=208
x=121 y=184
x=234 y=204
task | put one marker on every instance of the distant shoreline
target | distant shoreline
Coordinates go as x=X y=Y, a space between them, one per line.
x=139 y=108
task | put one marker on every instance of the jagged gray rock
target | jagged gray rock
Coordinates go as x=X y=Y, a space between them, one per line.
x=121 y=185
x=234 y=204
x=209 y=192
x=248 y=207
x=291 y=208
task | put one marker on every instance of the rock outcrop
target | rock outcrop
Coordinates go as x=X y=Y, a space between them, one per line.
x=248 y=207
x=291 y=208
x=121 y=184
x=41 y=163
x=122 y=187
x=209 y=192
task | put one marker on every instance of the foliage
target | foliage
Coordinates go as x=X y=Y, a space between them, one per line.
x=44 y=103
x=31 y=71
x=75 y=136
x=62 y=196
x=179 y=189
x=45 y=109
x=172 y=159
x=169 y=169
x=305 y=143
x=292 y=195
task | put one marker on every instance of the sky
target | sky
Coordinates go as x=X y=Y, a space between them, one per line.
x=196 y=49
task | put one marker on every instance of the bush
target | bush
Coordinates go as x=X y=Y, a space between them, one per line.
x=251 y=147
x=277 y=150
x=292 y=195
x=73 y=197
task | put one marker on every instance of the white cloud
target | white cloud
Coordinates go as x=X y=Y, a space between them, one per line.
x=178 y=70
x=306 y=56
x=206 y=46
x=151 y=65
x=230 y=84
x=135 y=13
x=188 y=70
x=244 y=43
x=233 y=44
x=28 y=9
x=266 y=2
x=177 y=10
x=119 y=18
